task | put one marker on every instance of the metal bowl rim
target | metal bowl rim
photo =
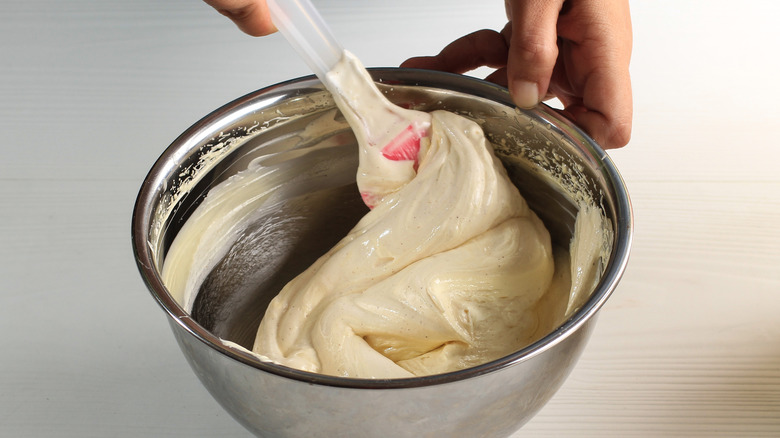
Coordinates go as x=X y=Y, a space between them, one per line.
x=432 y=79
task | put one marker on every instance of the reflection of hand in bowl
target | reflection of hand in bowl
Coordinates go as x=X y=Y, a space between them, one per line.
x=492 y=399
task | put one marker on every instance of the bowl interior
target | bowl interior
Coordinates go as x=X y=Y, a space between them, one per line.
x=295 y=127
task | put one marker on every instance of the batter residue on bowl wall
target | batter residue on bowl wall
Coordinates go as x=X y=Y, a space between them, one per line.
x=450 y=269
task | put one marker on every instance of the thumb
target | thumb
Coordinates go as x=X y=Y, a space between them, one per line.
x=533 y=48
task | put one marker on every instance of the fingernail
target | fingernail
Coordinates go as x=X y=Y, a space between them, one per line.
x=525 y=94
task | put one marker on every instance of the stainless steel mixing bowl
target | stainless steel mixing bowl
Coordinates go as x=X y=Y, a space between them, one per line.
x=296 y=124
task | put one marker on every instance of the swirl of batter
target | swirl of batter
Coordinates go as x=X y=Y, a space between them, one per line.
x=441 y=275
x=450 y=269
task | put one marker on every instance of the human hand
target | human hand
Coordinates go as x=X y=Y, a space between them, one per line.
x=575 y=50
x=251 y=16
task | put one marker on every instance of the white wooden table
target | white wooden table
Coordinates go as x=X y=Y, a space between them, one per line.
x=91 y=92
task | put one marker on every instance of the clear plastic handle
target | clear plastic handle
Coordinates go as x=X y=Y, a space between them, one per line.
x=307 y=32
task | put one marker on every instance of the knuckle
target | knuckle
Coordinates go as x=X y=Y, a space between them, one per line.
x=620 y=134
x=535 y=48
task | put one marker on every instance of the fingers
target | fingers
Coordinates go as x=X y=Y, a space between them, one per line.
x=609 y=129
x=592 y=78
x=577 y=50
x=605 y=109
x=251 y=16
x=590 y=74
x=477 y=49
x=532 y=48
x=498 y=77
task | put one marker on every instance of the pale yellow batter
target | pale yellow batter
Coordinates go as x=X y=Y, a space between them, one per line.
x=447 y=271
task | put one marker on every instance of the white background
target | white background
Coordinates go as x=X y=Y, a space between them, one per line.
x=91 y=92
